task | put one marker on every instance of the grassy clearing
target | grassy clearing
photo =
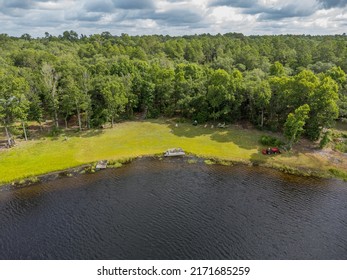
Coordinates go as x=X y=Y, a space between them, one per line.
x=133 y=139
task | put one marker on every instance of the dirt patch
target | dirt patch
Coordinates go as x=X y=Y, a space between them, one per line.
x=332 y=156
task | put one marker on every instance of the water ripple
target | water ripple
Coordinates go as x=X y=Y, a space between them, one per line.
x=170 y=209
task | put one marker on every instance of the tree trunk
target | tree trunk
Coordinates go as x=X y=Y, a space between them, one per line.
x=53 y=98
x=8 y=137
x=87 y=123
x=144 y=116
x=56 y=118
x=65 y=119
x=25 y=132
x=79 y=119
x=78 y=115
x=112 y=122
x=262 y=118
x=291 y=142
x=40 y=124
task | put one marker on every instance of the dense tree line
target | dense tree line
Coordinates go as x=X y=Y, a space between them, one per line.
x=291 y=83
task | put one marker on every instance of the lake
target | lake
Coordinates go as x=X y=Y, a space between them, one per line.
x=170 y=209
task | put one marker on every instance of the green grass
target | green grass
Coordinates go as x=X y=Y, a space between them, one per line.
x=133 y=139
x=339 y=174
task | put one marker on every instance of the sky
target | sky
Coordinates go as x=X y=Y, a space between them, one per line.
x=173 y=17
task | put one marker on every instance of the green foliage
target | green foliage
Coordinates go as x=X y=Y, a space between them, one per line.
x=267 y=140
x=33 y=180
x=295 y=123
x=209 y=162
x=338 y=173
x=324 y=109
x=342 y=147
x=90 y=169
x=231 y=77
x=55 y=131
x=15 y=130
x=114 y=164
x=338 y=75
x=326 y=139
x=277 y=69
x=115 y=96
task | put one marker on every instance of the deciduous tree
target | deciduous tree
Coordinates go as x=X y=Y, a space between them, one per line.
x=295 y=123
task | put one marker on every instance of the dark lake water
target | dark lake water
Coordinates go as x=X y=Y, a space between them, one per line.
x=170 y=209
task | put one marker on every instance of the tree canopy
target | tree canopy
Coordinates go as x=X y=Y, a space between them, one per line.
x=267 y=80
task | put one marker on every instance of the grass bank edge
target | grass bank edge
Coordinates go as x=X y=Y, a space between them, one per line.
x=90 y=168
x=226 y=147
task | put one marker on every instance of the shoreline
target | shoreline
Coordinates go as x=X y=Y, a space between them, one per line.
x=191 y=158
x=76 y=152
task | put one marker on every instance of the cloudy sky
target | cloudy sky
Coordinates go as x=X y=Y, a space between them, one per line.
x=173 y=17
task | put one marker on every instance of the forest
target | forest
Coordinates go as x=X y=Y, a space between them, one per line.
x=294 y=84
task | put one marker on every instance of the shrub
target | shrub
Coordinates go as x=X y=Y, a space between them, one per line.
x=201 y=117
x=338 y=173
x=126 y=160
x=21 y=182
x=224 y=162
x=33 y=180
x=342 y=147
x=270 y=141
x=55 y=131
x=326 y=139
x=90 y=168
x=209 y=162
x=119 y=163
x=114 y=164
x=16 y=131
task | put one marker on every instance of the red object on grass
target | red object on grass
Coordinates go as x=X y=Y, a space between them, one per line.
x=271 y=151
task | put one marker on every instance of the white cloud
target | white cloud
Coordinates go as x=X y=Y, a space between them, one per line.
x=176 y=17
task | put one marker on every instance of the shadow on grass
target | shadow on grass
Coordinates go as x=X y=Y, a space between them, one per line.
x=91 y=133
x=69 y=133
x=290 y=154
x=258 y=158
x=182 y=129
x=189 y=131
x=245 y=139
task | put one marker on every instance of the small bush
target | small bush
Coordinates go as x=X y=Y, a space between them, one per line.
x=342 y=147
x=270 y=141
x=90 y=169
x=125 y=160
x=326 y=139
x=224 y=162
x=338 y=173
x=33 y=180
x=55 y=131
x=209 y=162
x=16 y=131
x=201 y=117
x=119 y=163
x=114 y=164
x=21 y=182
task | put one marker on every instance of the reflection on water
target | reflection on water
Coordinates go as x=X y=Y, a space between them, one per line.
x=170 y=209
